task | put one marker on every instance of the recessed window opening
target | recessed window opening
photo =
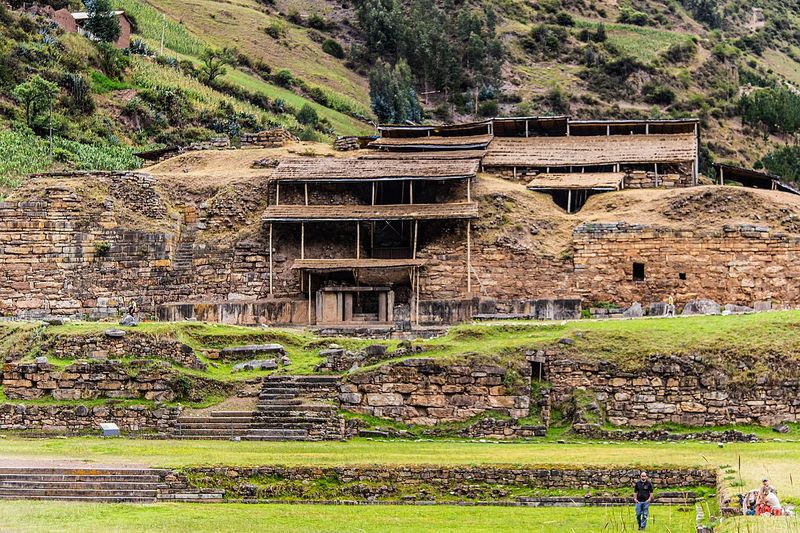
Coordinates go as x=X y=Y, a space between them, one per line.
x=682 y=275
x=638 y=272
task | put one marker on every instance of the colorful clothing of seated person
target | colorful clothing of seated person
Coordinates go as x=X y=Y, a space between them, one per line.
x=768 y=503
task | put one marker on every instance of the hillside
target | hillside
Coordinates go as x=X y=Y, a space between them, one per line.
x=305 y=66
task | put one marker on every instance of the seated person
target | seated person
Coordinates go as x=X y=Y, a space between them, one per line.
x=768 y=503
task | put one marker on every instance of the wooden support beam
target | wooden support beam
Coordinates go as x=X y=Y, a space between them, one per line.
x=306 y=188
x=526 y=128
x=302 y=240
x=277 y=193
x=469 y=258
x=569 y=200
x=411 y=192
x=358 y=240
x=309 y=298
x=270 y=259
x=608 y=130
x=416 y=233
x=469 y=193
x=373 y=193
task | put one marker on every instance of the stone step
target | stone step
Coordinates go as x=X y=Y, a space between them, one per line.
x=211 y=431
x=270 y=420
x=276 y=432
x=301 y=410
x=11 y=470
x=84 y=485
x=232 y=413
x=185 y=426
x=50 y=478
x=299 y=380
x=279 y=390
x=33 y=493
x=280 y=425
x=97 y=499
x=279 y=401
x=216 y=419
x=278 y=397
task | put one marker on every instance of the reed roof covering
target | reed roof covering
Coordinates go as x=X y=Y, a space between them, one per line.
x=350 y=169
x=597 y=150
x=434 y=142
x=322 y=213
x=589 y=180
x=418 y=156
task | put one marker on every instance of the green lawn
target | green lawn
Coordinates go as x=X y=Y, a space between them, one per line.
x=759 y=524
x=778 y=460
x=56 y=517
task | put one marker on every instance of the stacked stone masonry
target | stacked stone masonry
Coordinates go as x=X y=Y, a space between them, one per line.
x=101 y=346
x=671 y=390
x=71 y=418
x=426 y=392
x=88 y=380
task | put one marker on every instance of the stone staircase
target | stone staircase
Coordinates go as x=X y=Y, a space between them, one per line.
x=288 y=408
x=115 y=485
x=184 y=256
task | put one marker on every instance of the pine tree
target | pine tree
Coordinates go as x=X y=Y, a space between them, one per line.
x=102 y=22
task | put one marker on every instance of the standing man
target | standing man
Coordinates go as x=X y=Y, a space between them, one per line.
x=642 y=495
x=671 y=306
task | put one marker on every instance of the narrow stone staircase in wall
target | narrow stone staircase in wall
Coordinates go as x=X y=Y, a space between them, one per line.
x=288 y=408
x=99 y=485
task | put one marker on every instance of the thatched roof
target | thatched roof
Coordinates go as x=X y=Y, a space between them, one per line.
x=751 y=178
x=446 y=130
x=321 y=265
x=322 y=213
x=433 y=142
x=589 y=180
x=598 y=150
x=349 y=169
x=417 y=156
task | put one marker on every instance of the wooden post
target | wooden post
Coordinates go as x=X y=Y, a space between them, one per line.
x=469 y=194
x=647 y=128
x=306 y=187
x=469 y=259
x=416 y=303
x=373 y=193
x=270 y=259
x=568 y=128
x=569 y=200
x=309 y=298
x=277 y=193
x=526 y=128
x=358 y=240
x=608 y=130
x=721 y=176
x=302 y=240
x=416 y=232
x=515 y=172
x=411 y=192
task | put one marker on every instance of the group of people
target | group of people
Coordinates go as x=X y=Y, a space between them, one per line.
x=762 y=501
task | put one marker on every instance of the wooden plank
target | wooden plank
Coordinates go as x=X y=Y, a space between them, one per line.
x=321 y=213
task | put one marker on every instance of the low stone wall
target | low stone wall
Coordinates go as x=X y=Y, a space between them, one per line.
x=267 y=139
x=426 y=391
x=251 y=312
x=492 y=428
x=71 y=418
x=596 y=432
x=690 y=391
x=100 y=346
x=538 y=476
x=138 y=379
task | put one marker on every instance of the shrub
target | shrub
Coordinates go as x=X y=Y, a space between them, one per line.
x=308 y=116
x=276 y=30
x=102 y=248
x=488 y=108
x=284 y=78
x=331 y=47
x=564 y=19
x=629 y=16
x=657 y=93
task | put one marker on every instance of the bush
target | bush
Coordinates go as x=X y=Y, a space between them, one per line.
x=308 y=116
x=102 y=248
x=629 y=16
x=657 y=93
x=564 y=19
x=680 y=52
x=331 y=47
x=276 y=30
x=284 y=78
x=488 y=108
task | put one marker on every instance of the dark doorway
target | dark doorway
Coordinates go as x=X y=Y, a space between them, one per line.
x=638 y=272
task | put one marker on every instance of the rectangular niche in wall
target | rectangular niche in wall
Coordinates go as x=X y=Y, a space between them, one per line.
x=682 y=276
x=638 y=272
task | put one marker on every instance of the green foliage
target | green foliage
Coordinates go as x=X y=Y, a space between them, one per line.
x=214 y=61
x=332 y=47
x=102 y=22
x=149 y=24
x=21 y=152
x=284 y=78
x=657 y=93
x=546 y=41
x=276 y=29
x=80 y=94
x=103 y=84
x=772 y=109
x=308 y=116
x=35 y=95
x=112 y=60
x=102 y=248
x=392 y=95
x=488 y=108
x=681 y=52
x=784 y=161
x=630 y=16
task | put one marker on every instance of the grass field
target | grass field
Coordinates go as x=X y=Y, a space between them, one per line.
x=57 y=517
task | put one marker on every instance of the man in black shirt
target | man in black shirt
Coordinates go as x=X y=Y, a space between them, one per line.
x=642 y=495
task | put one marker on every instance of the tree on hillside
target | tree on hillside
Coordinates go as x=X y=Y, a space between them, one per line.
x=392 y=94
x=382 y=22
x=35 y=95
x=102 y=22
x=214 y=61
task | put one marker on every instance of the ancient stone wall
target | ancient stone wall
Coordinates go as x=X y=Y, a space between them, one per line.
x=101 y=346
x=688 y=391
x=739 y=264
x=88 y=380
x=71 y=418
x=426 y=391
x=267 y=139
x=543 y=476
